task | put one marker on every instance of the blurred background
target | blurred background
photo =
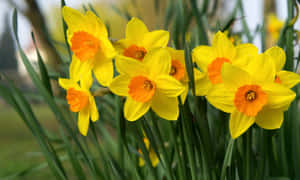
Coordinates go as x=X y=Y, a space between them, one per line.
x=18 y=149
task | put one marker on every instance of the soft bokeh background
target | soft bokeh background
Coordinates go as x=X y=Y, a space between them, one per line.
x=18 y=150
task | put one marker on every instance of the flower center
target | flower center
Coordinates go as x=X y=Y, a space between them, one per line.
x=141 y=89
x=177 y=70
x=250 y=95
x=77 y=100
x=214 y=69
x=135 y=52
x=277 y=80
x=84 y=45
x=250 y=99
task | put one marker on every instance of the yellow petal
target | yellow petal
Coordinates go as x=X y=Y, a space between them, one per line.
x=104 y=72
x=86 y=81
x=141 y=162
x=67 y=83
x=202 y=83
x=165 y=107
x=95 y=24
x=121 y=45
x=269 y=118
x=158 y=62
x=153 y=157
x=288 y=79
x=177 y=55
x=239 y=123
x=261 y=68
x=223 y=46
x=243 y=51
x=234 y=77
x=72 y=17
x=221 y=97
x=169 y=86
x=135 y=29
x=119 y=85
x=84 y=120
x=93 y=109
x=278 y=56
x=156 y=39
x=279 y=97
x=130 y=66
x=185 y=93
x=107 y=49
x=79 y=68
x=203 y=56
x=133 y=110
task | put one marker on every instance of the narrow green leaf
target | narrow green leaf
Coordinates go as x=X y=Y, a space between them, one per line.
x=72 y=155
x=45 y=93
x=116 y=168
x=169 y=14
x=65 y=28
x=227 y=159
x=24 y=110
x=189 y=67
x=43 y=70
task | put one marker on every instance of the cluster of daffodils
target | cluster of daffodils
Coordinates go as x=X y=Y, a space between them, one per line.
x=252 y=87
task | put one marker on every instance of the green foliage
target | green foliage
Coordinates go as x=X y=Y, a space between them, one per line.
x=196 y=146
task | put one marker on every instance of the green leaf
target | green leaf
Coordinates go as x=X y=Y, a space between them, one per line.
x=22 y=107
x=45 y=93
x=189 y=67
x=228 y=158
x=65 y=28
x=169 y=14
x=43 y=70
x=73 y=158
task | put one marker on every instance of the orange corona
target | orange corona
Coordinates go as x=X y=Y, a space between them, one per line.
x=214 y=69
x=135 y=52
x=141 y=89
x=250 y=99
x=77 y=100
x=84 y=45
x=177 y=70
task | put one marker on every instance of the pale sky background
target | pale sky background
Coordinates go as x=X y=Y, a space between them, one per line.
x=253 y=12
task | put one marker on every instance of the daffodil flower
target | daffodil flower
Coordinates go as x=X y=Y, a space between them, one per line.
x=139 y=41
x=81 y=100
x=178 y=71
x=88 y=40
x=286 y=78
x=147 y=84
x=211 y=59
x=152 y=155
x=251 y=95
x=274 y=26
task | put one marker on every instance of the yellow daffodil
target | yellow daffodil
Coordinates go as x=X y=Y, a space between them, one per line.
x=81 y=100
x=178 y=71
x=211 y=59
x=152 y=155
x=147 y=84
x=88 y=39
x=286 y=78
x=139 y=41
x=274 y=26
x=251 y=95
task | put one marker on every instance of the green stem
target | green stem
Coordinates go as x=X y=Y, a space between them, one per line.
x=177 y=151
x=162 y=147
x=145 y=151
x=289 y=38
x=187 y=135
x=248 y=156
